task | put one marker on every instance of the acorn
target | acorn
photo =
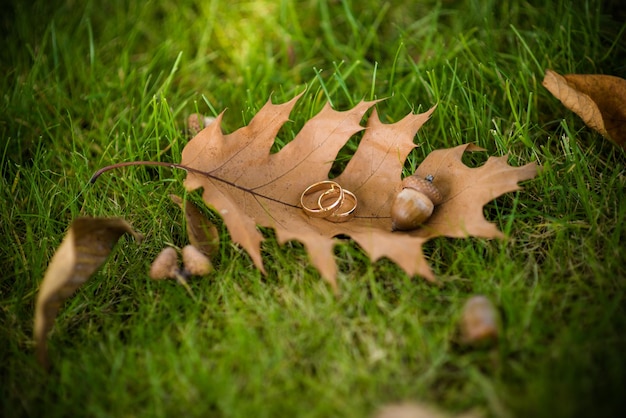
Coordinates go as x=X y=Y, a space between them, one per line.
x=197 y=122
x=196 y=263
x=165 y=265
x=480 y=321
x=414 y=204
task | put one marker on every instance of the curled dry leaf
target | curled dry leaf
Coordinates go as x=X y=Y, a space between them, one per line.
x=85 y=247
x=600 y=100
x=249 y=186
x=201 y=232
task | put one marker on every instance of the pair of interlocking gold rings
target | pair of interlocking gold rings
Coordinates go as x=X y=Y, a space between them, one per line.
x=334 y=203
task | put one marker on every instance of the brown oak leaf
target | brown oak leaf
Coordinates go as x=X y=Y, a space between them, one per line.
x=249 y=186
x=600 y=101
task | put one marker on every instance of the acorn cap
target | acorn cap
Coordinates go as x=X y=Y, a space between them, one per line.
x=425 y=186
x=196 y=263
x=165 y=265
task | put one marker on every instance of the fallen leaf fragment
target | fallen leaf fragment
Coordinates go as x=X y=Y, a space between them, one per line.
x=249 y=186
x=202 y=233
x=85 y=247
x=599 y=100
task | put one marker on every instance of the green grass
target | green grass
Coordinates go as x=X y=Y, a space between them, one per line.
x=87 y=84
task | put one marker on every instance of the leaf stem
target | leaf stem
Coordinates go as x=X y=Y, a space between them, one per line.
x=130 y=163
x=98 y=173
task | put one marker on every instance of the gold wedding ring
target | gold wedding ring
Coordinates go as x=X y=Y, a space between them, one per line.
x=334 y=203
x=345 y=211
x=322 y=211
